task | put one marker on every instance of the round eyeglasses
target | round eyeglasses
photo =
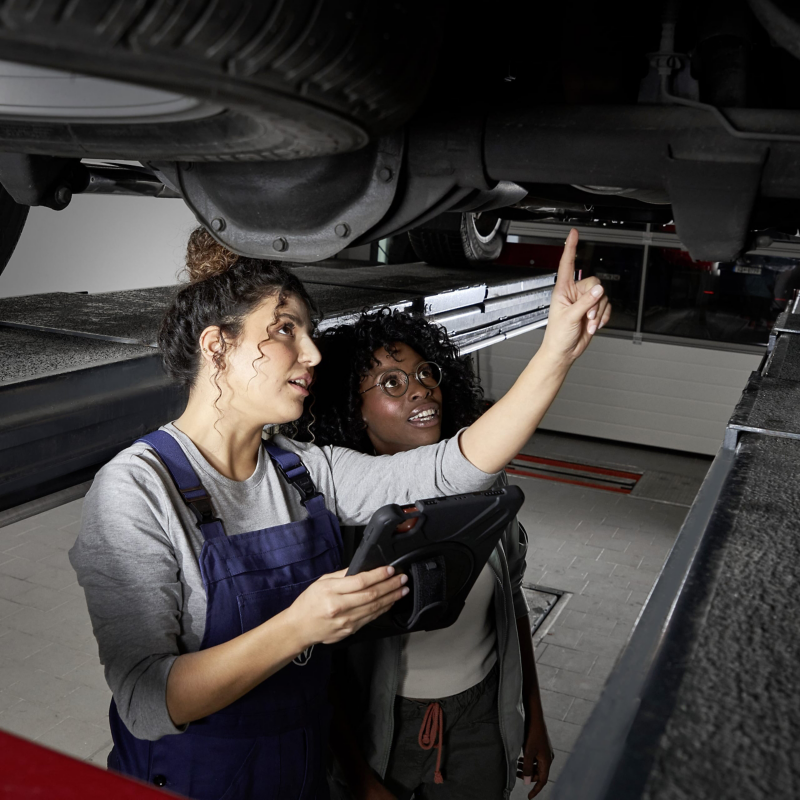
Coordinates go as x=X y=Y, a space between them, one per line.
x=394 y=382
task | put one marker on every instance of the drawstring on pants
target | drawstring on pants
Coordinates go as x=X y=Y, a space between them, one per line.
x=431 y=730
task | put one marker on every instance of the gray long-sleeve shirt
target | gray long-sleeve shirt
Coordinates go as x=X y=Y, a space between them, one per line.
x=137 y=553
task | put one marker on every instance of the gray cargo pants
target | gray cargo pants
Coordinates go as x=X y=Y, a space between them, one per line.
x=473 y=761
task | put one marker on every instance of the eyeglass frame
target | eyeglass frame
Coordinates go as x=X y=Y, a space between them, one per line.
x=378 y=385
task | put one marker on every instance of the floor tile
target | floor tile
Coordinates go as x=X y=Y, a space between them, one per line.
x=569 y=581
x=33 y=550
x=100 y=758
x=75 y=737
x=8 y=699
x=41 y=597
x=56 y=659
x=554 y=705
x=41 y=687
x=58 y=558
x=621 y=612
x=19 y=645
x=557 y=765
x=60 y=539
x=571 y=660
x=593 y=566
x=77 y=635
x=16 y=528
x=599 y=644
x=602 y=590
x=7 y=608
x=28 y=719
x=634 y=574
x=620 y=557
x=53 y=578
x=11 y=588
x=83 y=702
x=582 y=550
x=73 y=610
x=21 y=568
x=580 y=711
x=571 y=683
x=580 y=602
x=602 y=667
x=564 y=637
x=563 y=735
x=89 y=674
x=11 y=671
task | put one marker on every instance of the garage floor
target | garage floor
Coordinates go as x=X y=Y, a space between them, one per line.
x=604 y=548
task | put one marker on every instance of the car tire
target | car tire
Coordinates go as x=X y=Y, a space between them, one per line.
x=475 y=239
x=274 y=80
x=12 y=221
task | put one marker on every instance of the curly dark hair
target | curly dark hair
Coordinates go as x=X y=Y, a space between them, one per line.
x=333 y=412
x=223 y=289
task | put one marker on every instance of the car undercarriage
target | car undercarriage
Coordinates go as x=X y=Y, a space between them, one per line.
x=296 y=134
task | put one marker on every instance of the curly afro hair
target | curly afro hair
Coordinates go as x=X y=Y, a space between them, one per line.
x=333 y=412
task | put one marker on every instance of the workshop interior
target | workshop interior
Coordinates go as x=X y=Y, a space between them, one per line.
x=429 y=160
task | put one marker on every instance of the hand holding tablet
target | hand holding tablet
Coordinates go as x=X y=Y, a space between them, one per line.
x=442 y=544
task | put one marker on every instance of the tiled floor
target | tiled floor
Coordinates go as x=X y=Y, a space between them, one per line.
x=52 y=687
x=607 y=550
x=604 y=548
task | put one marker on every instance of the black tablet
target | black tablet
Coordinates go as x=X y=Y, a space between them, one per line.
x=442 y=544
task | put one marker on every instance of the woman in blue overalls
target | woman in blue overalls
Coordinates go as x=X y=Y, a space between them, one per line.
x=211 y=563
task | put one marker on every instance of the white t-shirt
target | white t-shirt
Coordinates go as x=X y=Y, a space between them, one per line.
x=436 y=664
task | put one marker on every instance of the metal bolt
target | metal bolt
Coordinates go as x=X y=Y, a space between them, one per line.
x=342 y=230
x=280 y=245
x=218 y=224
x=385 y=174
x=62 y=195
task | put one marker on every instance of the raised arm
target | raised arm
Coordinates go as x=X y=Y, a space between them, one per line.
x=577 y=311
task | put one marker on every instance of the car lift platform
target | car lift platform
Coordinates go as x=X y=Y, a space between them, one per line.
x=81 y=378
x=705 y=700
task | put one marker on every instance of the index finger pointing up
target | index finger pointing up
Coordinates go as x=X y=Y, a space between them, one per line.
x=566 y=267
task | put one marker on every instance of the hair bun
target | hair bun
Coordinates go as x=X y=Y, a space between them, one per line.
x=206 y=257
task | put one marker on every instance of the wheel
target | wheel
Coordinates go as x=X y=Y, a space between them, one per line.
x=472 y=239
x=208 y=80
x=12 y=221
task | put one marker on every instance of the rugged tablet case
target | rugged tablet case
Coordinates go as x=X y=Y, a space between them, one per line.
x=442 y=545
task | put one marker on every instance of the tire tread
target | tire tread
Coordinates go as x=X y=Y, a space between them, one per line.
x=349 y=56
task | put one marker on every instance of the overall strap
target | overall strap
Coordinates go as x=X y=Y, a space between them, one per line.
x=186 y=481
x=293 y=469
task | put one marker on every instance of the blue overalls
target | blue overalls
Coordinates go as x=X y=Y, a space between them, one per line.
x=271 y=742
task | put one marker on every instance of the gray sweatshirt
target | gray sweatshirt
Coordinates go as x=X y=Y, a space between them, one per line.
x=137 y=553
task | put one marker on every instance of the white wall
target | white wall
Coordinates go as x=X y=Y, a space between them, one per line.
x=99 y=244
x=661 y=395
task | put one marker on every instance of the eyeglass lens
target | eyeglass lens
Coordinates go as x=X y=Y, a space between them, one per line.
x=395 y=382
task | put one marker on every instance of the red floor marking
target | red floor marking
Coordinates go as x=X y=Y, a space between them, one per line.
x=582 y=467
x=617 y=489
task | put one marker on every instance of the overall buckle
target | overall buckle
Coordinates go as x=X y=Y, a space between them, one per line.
x=305 y=486
x=203 y=510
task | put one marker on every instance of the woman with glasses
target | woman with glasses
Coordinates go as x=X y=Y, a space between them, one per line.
x=391 y=383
